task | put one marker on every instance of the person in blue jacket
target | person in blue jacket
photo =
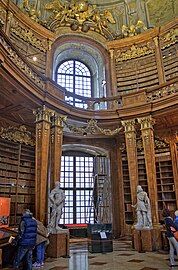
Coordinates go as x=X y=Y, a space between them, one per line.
x=27 y=234
x=176 y=218
x=173 y=244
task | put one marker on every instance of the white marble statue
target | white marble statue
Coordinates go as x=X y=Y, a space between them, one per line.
x=143 y=210
x=56 y=200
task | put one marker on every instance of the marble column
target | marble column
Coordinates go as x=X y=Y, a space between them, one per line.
x=43 y=124
x=149 y=154
x=130 y=137
x=56 y=148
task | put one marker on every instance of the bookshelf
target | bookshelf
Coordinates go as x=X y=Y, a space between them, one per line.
x=142 y=175
x=136 y=74
x=127 y=192
x=17 y=177
x=170 y=62
x=165 y=184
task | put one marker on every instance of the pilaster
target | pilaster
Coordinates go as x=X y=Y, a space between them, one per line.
x=172 y=139
x=41 y=159
x=113 y=73
x=149 y=154
x=159 y=61
x=130 y=137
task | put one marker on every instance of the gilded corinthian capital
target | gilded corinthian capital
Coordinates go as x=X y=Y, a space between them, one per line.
x=57 y=120
x=43 y=114
x=129 y=125
x=146 y=122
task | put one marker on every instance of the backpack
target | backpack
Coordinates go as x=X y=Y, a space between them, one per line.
x=175 y=233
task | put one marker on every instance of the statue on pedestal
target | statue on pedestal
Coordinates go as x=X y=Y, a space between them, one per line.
x=143 y=210
x=57 y=200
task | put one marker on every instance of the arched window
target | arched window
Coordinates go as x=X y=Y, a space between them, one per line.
x=76 y=77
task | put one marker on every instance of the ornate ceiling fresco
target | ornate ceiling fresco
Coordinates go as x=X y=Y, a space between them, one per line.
x=113 y=19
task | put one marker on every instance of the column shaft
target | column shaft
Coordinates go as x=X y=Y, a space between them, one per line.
x=149 y=154
x=159 y=61
x=41 y=162
x=130 y=137
x=56 y=149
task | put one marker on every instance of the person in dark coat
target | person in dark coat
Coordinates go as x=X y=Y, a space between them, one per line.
x=173 y=244
x=27 y=234
x=41 y=243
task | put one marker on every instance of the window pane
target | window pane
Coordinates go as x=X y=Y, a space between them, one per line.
x=77 y=180
x=76 y=78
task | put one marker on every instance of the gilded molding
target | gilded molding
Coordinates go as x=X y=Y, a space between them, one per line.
x=134 y=52
x=23 y=66
x=140 y=145
x=56 y=134
x=122 y=147
x=39 y=132
x=160 y=144
x=43 y=114
x=10 y=16
x=91 y=128
x=156 y=42
x=2 y=15
x=20 y=135
x=146 y=122
x=162 y=92
x=28 y=36
x=169 y=38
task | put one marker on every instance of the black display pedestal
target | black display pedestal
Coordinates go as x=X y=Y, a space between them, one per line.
x=100 y=238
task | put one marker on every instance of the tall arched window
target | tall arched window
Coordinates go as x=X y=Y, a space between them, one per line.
x=76 y=77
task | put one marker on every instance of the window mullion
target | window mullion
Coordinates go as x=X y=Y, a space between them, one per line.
x=74 y=191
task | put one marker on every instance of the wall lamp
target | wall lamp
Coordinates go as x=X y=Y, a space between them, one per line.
x=33 y=56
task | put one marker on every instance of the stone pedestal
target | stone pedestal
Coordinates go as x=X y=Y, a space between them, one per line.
x=58 y=244
x=147 y=239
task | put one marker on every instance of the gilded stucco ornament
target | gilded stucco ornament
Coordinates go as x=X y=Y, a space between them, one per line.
x=160 y=143
x=28 y=36
x=134 y=52
x=23 y=66
x=133 y=30
x=79 y=15
x=17 y=134
x=2 y=16
x=169 y=38
x=30 y=10
x=91 y=128
x=162 y=92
